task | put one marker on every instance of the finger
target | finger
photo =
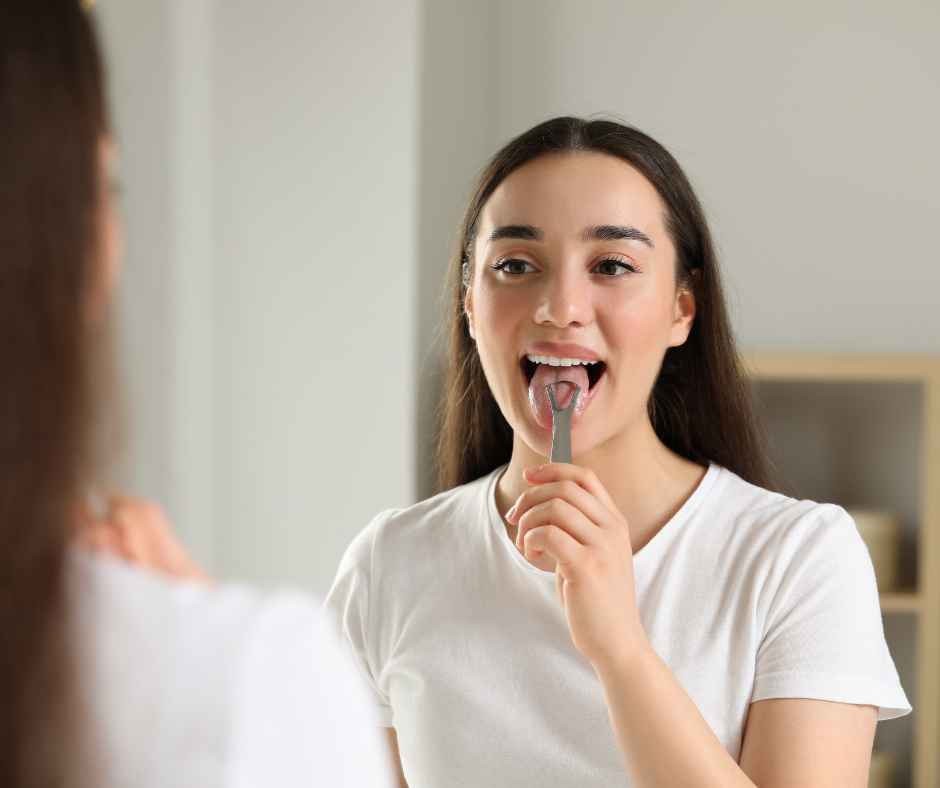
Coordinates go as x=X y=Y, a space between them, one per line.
x=162 y=542
x=114 y=544
x=134 y=510
x=170 y=548
x=92 y=537
x=176 y=557
x=171 y=551
x=100 y=538
x=561 y=471
x=567 y=490
x=140 y=524
x=552 y=541
x=562 y=514
x=149 y=536
x=109 y=539
x=135 y=534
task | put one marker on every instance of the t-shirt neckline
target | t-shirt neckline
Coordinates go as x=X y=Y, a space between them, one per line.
x=660 y=538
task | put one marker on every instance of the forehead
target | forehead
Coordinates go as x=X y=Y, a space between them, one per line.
x=567 y=192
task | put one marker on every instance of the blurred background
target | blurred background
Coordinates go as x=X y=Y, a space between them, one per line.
x=295 y=171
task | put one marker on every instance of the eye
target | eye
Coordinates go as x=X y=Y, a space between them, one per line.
x=513 y=266
x=611 y=266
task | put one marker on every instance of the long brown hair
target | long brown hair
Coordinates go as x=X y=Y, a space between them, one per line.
x=700 y=405
x=52 y=119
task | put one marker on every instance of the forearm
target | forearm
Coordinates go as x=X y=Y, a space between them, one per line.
x=663 y=736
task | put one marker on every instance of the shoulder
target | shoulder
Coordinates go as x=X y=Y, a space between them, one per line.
x=181 y=621
x=300 y=710
x=116 y=599
x=429 y=525
x=289 y=647
x=783 y=518
x=213 y=656
x=784 y=532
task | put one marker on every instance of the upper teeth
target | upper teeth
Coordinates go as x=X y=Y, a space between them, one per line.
x=553 y=361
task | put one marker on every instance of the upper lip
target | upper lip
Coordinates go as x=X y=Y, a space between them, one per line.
x=562 y=350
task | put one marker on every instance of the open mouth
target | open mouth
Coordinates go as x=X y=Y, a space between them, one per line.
x=530 y=364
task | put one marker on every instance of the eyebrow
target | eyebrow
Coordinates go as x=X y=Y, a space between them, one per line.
x=602 y=232
x=525 y=232
x=616 y=232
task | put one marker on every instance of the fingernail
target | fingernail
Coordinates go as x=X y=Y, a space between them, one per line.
x=512 y=512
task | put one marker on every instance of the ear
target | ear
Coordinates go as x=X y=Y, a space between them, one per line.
x=683 y=317
x=468 y=311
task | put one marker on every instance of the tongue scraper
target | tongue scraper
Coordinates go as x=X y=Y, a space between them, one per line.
x=561 y=423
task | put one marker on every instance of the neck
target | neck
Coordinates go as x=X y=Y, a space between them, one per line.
x=647 y=481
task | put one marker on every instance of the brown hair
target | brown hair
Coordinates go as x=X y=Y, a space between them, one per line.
x=52 y=119
x=700 y=405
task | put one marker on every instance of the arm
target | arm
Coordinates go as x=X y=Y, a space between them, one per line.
x=795 y=741
x=787 y=743
x=397 y=771
x=660 y=730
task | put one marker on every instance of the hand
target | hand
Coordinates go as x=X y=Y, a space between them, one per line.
x=568 y=523
x=139 y=532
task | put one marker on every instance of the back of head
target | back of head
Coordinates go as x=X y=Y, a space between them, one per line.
x=52 y=122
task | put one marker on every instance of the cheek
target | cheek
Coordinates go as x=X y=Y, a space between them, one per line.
x=497 y=312
x=638 y=324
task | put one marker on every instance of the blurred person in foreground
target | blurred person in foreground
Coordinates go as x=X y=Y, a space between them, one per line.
x=112 y=676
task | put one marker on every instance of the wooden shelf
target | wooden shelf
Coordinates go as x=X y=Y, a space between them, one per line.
x=843 y=367
x=901 y=602
x=922 y=605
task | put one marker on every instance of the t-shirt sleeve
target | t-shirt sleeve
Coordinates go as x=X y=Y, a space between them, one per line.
x=301 y=714
x=349 y=607
x=824 y=635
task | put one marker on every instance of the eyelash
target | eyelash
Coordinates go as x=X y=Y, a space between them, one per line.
x=500 y=265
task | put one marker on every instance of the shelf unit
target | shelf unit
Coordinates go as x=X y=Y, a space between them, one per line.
x=921 y=605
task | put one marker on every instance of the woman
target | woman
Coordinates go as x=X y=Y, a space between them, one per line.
x=652 y=614
x=109 y=676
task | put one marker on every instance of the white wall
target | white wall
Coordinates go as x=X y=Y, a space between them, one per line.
x=314 y=109
x=809 y=130
x=158 y=55
x=457 y=133
x=138 y=40
x=270 y=155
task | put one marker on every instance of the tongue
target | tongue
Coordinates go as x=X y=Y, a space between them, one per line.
x=538 y=396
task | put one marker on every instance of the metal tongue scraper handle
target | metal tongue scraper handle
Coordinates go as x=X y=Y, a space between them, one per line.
x=561 y=423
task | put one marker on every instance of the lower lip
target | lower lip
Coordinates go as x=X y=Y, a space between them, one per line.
x=543 y=415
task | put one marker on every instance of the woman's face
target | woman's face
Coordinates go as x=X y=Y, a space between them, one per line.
x=572 y=263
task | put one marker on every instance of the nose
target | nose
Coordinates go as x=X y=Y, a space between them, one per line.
x=565 y=299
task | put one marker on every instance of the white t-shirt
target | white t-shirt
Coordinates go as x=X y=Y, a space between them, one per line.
x=745 y=594
x=190 y=686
